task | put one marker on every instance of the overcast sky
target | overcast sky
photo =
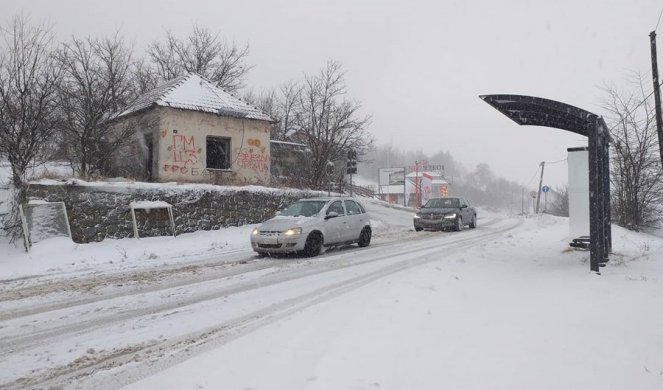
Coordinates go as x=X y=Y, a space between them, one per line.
x=416 y=66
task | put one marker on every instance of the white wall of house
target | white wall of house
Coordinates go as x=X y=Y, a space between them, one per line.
x=181 y=148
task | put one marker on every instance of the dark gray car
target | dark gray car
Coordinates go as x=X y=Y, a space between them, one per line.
x=445 y=213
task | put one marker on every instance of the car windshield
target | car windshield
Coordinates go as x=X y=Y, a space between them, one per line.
x=442 y=203
x=306 y=208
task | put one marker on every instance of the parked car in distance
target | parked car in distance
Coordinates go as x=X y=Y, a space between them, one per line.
x=445 y=213
x=309 y=225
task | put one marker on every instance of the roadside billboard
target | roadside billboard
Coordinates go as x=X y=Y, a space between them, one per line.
x=391 y=184
x=391 y=176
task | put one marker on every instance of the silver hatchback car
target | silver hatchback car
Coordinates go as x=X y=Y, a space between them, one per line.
x=309 y=225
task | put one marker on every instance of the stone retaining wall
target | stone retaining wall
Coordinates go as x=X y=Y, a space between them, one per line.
x=98 y=211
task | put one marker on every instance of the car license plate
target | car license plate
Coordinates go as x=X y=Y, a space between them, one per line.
x=269 y=240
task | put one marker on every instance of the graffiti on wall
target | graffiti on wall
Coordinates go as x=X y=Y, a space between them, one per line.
x=185 y=156
x=184 y=150
x=255 y=157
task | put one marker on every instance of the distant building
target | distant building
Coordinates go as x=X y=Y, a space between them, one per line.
x=432 y=184
x=190 y=130
x=400 y=188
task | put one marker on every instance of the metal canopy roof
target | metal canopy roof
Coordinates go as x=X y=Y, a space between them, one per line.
x=536 y=111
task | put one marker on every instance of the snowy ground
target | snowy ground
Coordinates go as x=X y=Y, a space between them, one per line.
x=503 y=306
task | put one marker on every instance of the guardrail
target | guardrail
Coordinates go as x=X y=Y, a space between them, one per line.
x=361 y=191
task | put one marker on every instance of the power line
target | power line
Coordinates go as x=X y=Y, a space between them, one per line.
x=659 y=19
x=555 y=162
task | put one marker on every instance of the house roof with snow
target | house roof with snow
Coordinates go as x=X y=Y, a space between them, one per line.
x=196 y=93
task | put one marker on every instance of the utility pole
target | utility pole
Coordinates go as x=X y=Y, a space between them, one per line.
x=416 y=184
x=538 y=195
x=657 y=93
x=351 y=166
x=522 y=203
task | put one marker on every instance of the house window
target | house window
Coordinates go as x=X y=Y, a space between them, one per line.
x=218 y=153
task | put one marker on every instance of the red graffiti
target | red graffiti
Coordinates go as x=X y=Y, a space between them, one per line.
x=184 y=150
x=170 y=168
x=175 y=169
x=252 y=160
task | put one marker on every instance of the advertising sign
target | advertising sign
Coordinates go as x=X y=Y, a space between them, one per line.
x=392 y=176
x=426 y=187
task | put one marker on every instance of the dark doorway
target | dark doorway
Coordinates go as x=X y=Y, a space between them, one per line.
x=149 y=144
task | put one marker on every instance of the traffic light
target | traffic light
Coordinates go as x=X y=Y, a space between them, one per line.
x=352 y=167
x=352 y=162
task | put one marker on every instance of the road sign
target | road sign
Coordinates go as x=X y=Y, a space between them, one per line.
x=532 y=194
x=545 y=188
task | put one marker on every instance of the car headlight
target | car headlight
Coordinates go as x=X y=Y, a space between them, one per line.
x=255 y=232
x=450 y=216
x=417 y=216
x=292 y=232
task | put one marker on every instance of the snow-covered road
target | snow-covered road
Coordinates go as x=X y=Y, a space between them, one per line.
x=180 y=311
x=148 y=326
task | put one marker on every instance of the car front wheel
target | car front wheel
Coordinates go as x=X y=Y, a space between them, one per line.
x=313 y=244
x=473 y=222
x=459 y=224
x=364 y=237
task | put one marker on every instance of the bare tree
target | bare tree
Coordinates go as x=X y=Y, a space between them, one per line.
x=560 y=202
x=637 y=178
x=202 y=52
x=96 y=83
x=286 y=108
x=144 y=78
x=29 y=75
x=328 y=123
x=281 y=105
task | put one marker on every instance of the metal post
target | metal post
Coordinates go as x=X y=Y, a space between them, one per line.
x=24 y=226
x=595 y=204
x=607 y=217
x=133 y=218
x=538 y=194
x=416 y=184
x=600 y=188
x=657 y=92
x=172 y=219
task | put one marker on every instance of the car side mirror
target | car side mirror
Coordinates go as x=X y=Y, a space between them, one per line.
x=463 y=206
x=331 y=214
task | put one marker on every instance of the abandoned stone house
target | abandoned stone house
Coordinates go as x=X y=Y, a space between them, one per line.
x=189 y=130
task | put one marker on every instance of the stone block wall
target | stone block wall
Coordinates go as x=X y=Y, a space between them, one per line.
x=98 y=211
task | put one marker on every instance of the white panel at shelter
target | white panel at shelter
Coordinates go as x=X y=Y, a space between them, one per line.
x=578 y=162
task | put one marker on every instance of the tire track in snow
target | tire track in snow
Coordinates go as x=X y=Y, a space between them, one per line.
x=324 y=264
x=133 y=283
x=182 y=347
